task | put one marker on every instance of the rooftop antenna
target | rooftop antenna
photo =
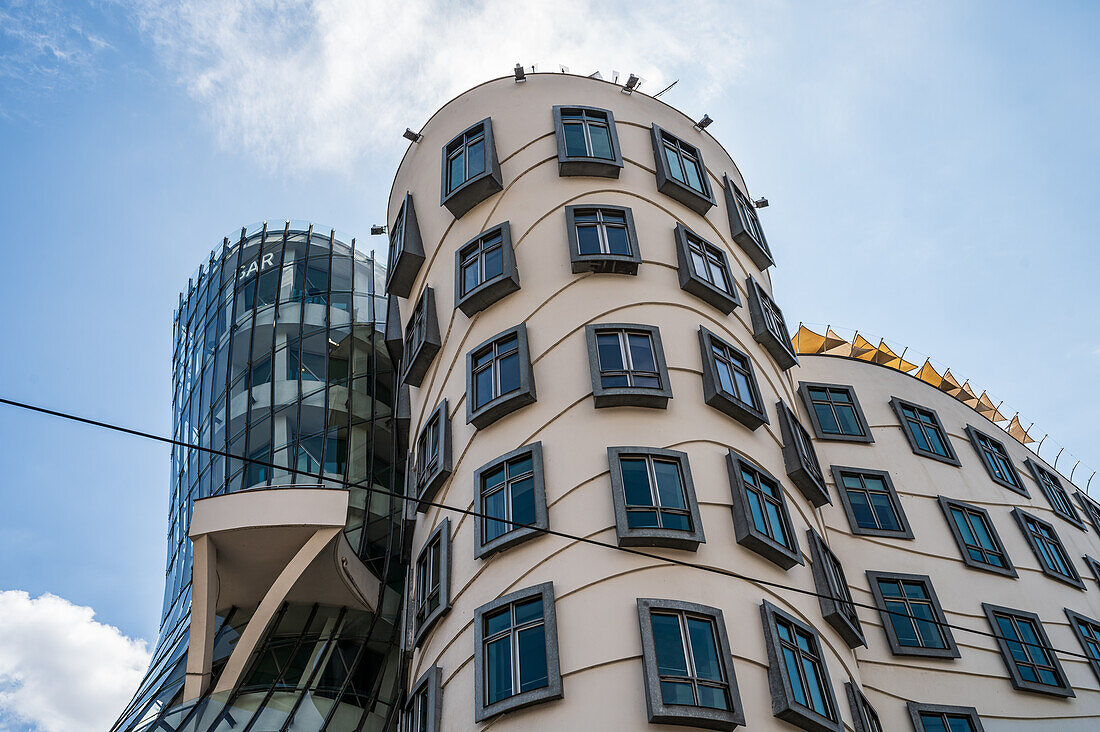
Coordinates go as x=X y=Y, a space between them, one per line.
x=596 y=75
x=666 y=89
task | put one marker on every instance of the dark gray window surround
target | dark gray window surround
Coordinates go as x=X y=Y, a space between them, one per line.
x=784 y=705
x=951 y=458
x=628 y=396
x=403 y=416
x=1073 y=578
x=491 y=411
x=1056 y=494
x=722 y=296
x=1061 y=687
x=834 y=597
x=769 y=328
x=950 y=649
x=1091 y=509
x=422 y=341
x=968 y=713
x=864 y=716
x=979 y=513
x=429 y=475
x=553 y=690
x=440 y=537
x=584 y=164
x=1013 y=482
x=688 y=716
x=671 y=538
x=800 y=457
x=476 y=188
x=815 y=421
x=698 y=201
x=424 y=706
x=406 y=250
x=1093 y=565
x=749 y=413
x=603 y=262
x=745 y=225
x=744 y=528
x=1087 y=631
x=395 y=334
x=904 y=532
x=486 y=291
x=513 y=535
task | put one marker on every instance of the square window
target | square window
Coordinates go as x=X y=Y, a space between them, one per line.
x=432 y=462
x=871 y=503
x=602 y=239
x=471 y=172
x=433 y=582
x=704 y=270
x=422 y=341
x=761 y=521
x=654 y=498
x=745 y=226
x=1056 y=495
x=1048 y=548
x=996 y=460
x=1031 y=662
x=1087 y=631
x=864 y=716
x=835 y=413
x=802 y=693
x=911 y=615
x=729 y=382
x=516 y=652
x=485 y=270
x=424 y=707
x=978 y=541
x=587 y=142
x=768 y=326
x=681 y=173
x=800 y=458
x=498 y=377
x=627 y=364
x=406 y=250
x=511 y=494
x=834 y=597
x=688 y=665
x=925 y=432
x=940 y=718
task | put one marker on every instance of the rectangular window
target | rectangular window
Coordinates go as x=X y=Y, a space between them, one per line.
x=1087 y=631
x=485 y=270
x=923 y=429
x=1056 y=495
x=704 y=271
x=422 y=341
x=471 y=172
x=654 y=498
x=423 y=710
x=587 y=142
x=512 y=498
x=911 y=615
x=940 y=718
x=760 y=518
x=1091 y=509
x=729 y=382
x=602 y=239
x=1031 y=662
x=465 y=157
x=499 y=378
x=406 y=250
x=1048 y=548
x=680 y=171
x=432 y=461
x=996 y=460
x=745 y=225
x=976 y=536
x=834 y=597
x=835 y=412
x=800 y=457
x=627 y=365
x=688 y=665
x=863 y=714
x=433 y=581
x=871 y=503
x=801 y=691
x=769 y=329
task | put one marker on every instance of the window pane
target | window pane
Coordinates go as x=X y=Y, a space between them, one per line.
x=601 y=142
x=498 y=664
x=669 y=488
x=713 y=698
x=523 y=501
x=861 y=510
x=642 y=520
x=483 y=387
x=929 y=632
x=588 y=239
x=498 y=621
x=668 y=645
x=674 y=168
x=725 y=378
x=675 y=521
x=757 y=513
x=617 y=241
x=778 y=533
x=703 y=649
x=903 y=626
x=574 y=140
x=718 y=276
x=744 y=390
x=635 y=482
x=959 y=724
x=884 y=511
x=509 y=373
x=528 y=611
x=455 y=175
x=673 y=693
x=611 y=357
x=848 y=422
x=494 y=263
x=476 y=159
x=934 y=723
x=791 y=662
x=826 y=419
x=532 y=658
x=470 y=277
x=817 y=695
x=641 y=352
x=495 y=506
x=693 y=175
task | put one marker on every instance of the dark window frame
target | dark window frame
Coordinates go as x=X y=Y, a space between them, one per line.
x=739 y=211
x=420 y=352
x=430 y=686
x=905 y=532
x=405 y=259
x=950 y=649
x=603 y=262
x=687 y=715
x=502 y=404
x=587 y=165
x=764 y=313
x=1093 y=565
x=976 y=436
x=515 y=535
x=951 y=458
x=714 y=395
x=1076 y=621
x=474 y=189
x=1063 y=688
x=655 y=536
x=441 y=534
x=800 y=457
x=426 y=485
x=744 y=527
x=395 y=334
x=698 y=201
x=804 y=388
x=784 y=705
x=697 y=284
x=486 y=291
x=1073 y=579
x=1090 y=507
x=1053 y=490
x=864 y=716
x=969 y=713
x=947 y=504
x=628 y=396
x=834 y=596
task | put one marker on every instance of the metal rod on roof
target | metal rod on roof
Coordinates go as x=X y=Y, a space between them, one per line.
x=666 y=89
x=1058 y=456
x=1074 y=468
x=1090 y=481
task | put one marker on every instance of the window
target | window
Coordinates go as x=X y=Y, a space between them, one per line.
x=1093 y=566
x=1048 y=548
x=1091 y=509
x=924 y=431
x=729 y=383
x=760 y=518
x=587 y=142
x=834 y=597
x=978 y=541
x=627 y=365
x=996 y=461
x=768 y=327
x=395 y=337
x=801 y=691
x=602 y=239
x=911 y=615
x=433 y=581
x=471 y=172
x=688 y=665
x=1031 y=662
x=835 y=412
x=871 y=503
x=745 y=226
x=654 y=498
x=680 y=171
x=704 y=270
x=485 y=270
x=800 y=458
x=864 y=716
x=424 y=708
x=406 y=250
x=498 y=377
x=516 y=652
x=512 y=496
x=1056 y=495
x=939 y=718
x=432 y=464
x=1087 y=631
x=422 y=340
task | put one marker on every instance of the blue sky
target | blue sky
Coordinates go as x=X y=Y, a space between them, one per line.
x=932 y=170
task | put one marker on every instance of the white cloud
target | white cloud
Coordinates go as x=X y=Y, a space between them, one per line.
x=317 y=83
x=44 y=45
x=60 y=670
